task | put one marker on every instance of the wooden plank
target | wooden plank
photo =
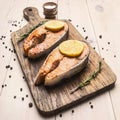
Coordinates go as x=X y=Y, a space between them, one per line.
x=6 y=48
x=104 y=15
x=79 y=17
x=82 y=20
x=49 y=102
x=89 y=110
x=6 y=110
x=16 y=96
x=80 y=111
x=13 y=84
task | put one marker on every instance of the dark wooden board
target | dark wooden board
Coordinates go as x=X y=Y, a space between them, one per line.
x=51 y=100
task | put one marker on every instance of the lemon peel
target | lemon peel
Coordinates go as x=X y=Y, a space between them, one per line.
x=54 y=25
x=71 y=48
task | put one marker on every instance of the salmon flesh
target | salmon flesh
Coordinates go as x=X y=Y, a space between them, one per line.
x=42 y=41
x=58 y=66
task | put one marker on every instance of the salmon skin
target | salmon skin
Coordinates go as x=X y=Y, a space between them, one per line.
x=42 y=41
x=58 y=66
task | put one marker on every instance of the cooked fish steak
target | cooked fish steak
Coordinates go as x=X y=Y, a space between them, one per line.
x=42 y=41
x=58 y=66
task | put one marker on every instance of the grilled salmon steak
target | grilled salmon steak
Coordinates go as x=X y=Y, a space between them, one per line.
x=42 y=40
x=58 y=66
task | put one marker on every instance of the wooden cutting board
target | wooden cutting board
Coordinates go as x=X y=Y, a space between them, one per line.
x=49 y=101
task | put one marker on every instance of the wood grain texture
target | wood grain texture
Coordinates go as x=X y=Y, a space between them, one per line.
x=51 y=100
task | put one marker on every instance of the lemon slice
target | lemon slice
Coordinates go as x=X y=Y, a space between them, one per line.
x=71 y=48
x=54 y=25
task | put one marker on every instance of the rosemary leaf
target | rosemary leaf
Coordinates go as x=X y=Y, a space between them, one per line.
x=26 y=34
x=87 y=80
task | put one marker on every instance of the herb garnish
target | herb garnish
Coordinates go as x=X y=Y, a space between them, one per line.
x=26 y=34
x=87 y=81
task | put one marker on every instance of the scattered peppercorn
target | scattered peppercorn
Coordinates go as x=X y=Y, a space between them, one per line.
x=21 y=89
x=86 y=37
x=11 y=68
x=7 y=66
x=60 y=115
x=2 y=86
x=83 y=28
x=26 y=95
x=30 y=105
x=91 y=106
x=22 y=98
x=9 y=76
x=14 y=51
x=14 y=97
x=14 y=59
x=72 y=111
x=114 y=56
x=4 y=37
x=100 y=36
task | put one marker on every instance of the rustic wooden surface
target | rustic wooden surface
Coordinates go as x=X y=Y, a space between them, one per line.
x=51 y=100
x=97 y=18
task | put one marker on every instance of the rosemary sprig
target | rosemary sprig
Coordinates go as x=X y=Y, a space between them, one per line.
x=87 y=80
x=26 y=34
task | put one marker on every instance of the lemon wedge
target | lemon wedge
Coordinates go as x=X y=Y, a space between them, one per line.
x=71 y=48
x=54 y=25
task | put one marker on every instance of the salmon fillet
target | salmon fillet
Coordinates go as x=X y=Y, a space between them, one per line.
x=50 y=64
x=57 y=66
x=42 y=40
x=65 y=65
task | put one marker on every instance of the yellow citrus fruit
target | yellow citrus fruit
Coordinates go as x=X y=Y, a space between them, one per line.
x=71 y=48
x=54 y=25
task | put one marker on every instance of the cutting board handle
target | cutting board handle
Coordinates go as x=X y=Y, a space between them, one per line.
x=31 y=14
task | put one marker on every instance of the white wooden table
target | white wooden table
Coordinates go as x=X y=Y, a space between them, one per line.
x=96 y=20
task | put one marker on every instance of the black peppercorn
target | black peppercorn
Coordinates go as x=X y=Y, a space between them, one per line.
x=30 y=105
